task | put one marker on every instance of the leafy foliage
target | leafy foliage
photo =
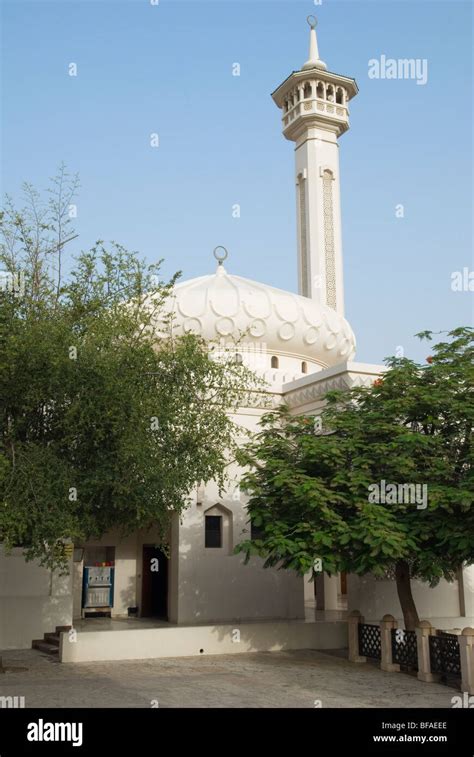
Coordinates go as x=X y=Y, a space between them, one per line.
x=309 y=488
x=107 y=419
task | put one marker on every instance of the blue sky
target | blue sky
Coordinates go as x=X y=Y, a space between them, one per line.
x=167 y=69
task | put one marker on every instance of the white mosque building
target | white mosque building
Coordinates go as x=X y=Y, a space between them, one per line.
x=303 y=346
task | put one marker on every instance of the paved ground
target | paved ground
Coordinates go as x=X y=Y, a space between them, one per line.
x=262 y=679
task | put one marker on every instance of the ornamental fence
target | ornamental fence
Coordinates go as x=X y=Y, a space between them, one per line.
x=369 y=641
x=405 y=649
x=431 y=654
x=445 y=655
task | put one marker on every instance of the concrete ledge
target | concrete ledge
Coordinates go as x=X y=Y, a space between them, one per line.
x=188 y=641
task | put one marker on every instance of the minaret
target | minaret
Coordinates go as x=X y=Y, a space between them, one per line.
x=315 y=113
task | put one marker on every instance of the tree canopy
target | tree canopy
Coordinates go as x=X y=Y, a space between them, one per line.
x=319 y=488
x=107 y=418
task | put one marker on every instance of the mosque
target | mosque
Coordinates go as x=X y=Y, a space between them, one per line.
x=302 y=346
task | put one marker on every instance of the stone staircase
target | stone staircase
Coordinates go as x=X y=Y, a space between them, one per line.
x=49 y=644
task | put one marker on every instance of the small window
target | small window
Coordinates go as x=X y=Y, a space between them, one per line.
x=238 y=359
x=274 y=362
x=307 y=92
x=304 y=367
x=213 y=526
x=320 y=91
x=339 y=96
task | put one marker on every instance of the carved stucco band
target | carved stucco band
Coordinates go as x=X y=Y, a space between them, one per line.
x=303 y=240
x=318 y=391
x=329 y=252
x=312 y=393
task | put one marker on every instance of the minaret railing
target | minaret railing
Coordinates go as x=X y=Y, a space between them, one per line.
x=317 y=104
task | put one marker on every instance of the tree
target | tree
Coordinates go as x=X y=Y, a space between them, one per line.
x=106 y=417
x=383 y=483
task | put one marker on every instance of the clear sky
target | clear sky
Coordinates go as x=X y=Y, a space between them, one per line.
x=167 y=69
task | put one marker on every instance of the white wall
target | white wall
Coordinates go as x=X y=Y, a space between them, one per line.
x=375 y=598
x=33 y=601
x=152 y=643
x=215 y=584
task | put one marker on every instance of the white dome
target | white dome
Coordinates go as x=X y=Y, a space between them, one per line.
x=221 y=306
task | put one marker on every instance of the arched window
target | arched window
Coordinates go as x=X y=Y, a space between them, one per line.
x=307 y=90
x=320 y=90
x=238 y=359
x=304 y=367
x=218 y=528
x=330 y=93
x=213 y=531
x=275 y=362
x=339 y=96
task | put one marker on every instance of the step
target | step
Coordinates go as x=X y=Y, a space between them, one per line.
x=60 y=629
x=52 y=638
x=44 y=646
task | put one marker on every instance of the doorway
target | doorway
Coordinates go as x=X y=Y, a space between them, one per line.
x=154 y=583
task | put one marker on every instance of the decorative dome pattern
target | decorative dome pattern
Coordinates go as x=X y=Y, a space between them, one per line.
x=221 y=306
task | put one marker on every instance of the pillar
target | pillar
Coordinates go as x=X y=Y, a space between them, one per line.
x=423 y=633
x=466 y=651
x=353 y=635
x=386 y=663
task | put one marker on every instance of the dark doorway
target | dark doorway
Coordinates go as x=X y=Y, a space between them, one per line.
x=154 y=583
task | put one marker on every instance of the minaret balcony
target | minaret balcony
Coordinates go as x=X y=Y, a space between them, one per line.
x=314 y=96
x=309 y=108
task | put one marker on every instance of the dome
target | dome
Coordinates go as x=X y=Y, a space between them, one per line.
x=222 y=307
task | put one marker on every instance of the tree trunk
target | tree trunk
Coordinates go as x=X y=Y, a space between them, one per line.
x=402 y=577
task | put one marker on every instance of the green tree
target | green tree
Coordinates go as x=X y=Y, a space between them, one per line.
x=313 y=484
x=106 y=417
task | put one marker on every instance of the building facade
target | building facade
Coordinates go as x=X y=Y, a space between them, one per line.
x=302 y=346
